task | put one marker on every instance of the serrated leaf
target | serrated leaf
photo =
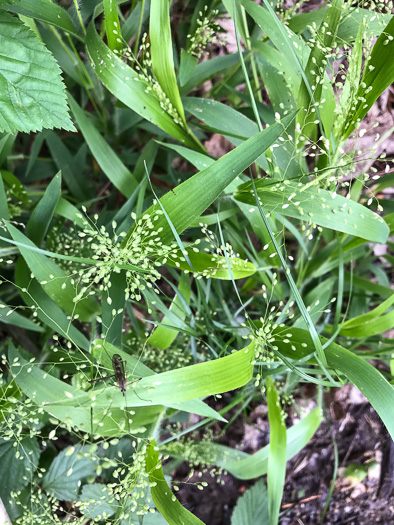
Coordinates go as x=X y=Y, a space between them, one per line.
x=17 y=471
x=252 y=506
x=66 y=471
x=97 y=501
x=46 y=11
x=32 y=90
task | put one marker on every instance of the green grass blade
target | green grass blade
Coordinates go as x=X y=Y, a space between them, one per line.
x=162 y=337
x=105 y=156
x=277 y=456
x=250 y=466
x=52 y=392
x=310 y=203
x=191 y=198
x=112 y=25
x=41 y=217
x=123 y=82
x=364 y=376
x=378 y=75
x=167 y=504
x=316 y=66
x=47 y=310
x=9 y=315
x=175 y=386
x=162 y=53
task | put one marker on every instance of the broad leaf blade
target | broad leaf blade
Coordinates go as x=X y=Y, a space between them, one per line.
x=317 y=206
x=192 y=197
x=252 y=506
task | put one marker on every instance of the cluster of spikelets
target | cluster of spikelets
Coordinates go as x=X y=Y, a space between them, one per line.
x=206 y=33
x=223 y=256
x=141 y=254
x=196 y=449
x=143 y=67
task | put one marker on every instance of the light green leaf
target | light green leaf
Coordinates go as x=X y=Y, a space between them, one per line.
x=252 y=506
x=371 y=323
x=162 y=53
x=105 y=156
x=123 y=82
x=162 y=496
x=74 y=407
x=192 y=197
x=32 y=90
x=112 y=25
x=277 y=455
x=169 y=388
x=316 y=206
x=216 y=267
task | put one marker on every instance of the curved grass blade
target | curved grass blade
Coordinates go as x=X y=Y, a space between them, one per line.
x=175 y=386
x=123 y=82
x=162 y=53
x=307 y=202
x=167 y=504
x=48 y=12
x=364 y=376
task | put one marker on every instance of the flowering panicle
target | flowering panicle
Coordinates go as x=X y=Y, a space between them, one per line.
x=140 y=256
x=196 y=450
x=205 y=34
x=133 y=484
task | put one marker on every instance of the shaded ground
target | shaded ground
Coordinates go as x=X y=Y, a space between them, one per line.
x=362 y=442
